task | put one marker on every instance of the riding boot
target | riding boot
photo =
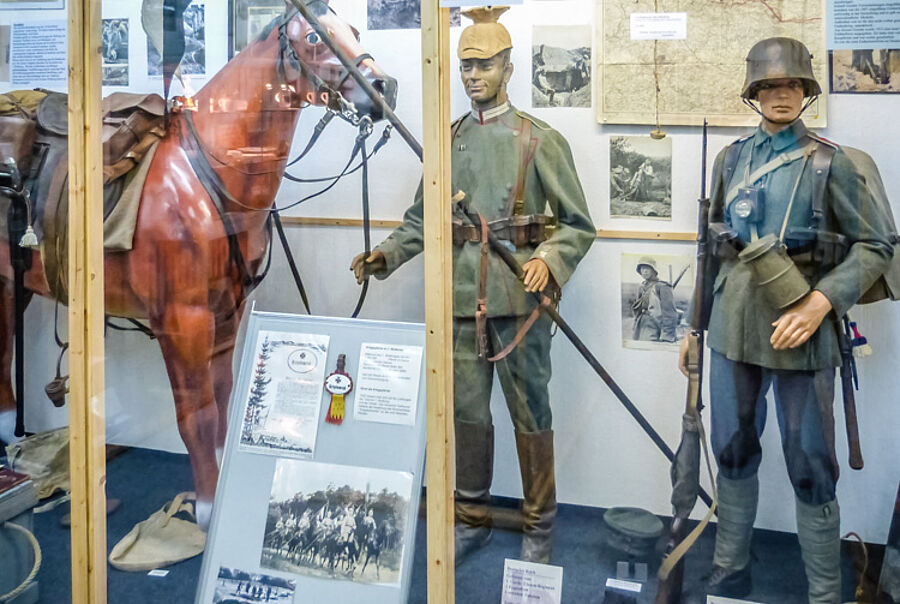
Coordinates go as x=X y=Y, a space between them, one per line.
x=738 y=499
x=474 y=471
x=539 y=487
x=819 y=532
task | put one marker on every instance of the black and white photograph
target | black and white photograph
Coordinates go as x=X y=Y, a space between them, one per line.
x=400 y=14
x=115 y=52
x=561 y=66
x=337 y=522
x=4 y=53
x=656 y=291
x=248 y=18
x=640 y=177
x=235 y=586
x=865 y=71
x=194 y=61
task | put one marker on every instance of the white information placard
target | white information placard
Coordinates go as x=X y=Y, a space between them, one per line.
x=531 y=583
x=38 y=52
x=283 y=402
x=658 y=26
x=388 y=383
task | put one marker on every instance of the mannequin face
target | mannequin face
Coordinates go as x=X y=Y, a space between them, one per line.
x=780 y=101
x=485 y=80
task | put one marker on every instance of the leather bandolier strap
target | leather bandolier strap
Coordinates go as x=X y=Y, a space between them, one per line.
x=520 y=231
x=481 y=303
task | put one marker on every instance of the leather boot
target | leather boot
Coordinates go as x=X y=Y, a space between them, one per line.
x=539 y=487
x=819 y=532
x=738 y=499
x=474 y=471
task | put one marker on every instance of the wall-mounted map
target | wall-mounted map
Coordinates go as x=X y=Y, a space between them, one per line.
x=700 y=76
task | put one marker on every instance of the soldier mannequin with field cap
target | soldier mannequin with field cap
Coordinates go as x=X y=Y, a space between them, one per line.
x=511 y=167
x=785 y=186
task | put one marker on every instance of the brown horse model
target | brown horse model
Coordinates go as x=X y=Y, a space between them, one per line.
x=181 y=274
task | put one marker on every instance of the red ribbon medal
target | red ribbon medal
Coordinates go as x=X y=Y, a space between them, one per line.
x=339 y=385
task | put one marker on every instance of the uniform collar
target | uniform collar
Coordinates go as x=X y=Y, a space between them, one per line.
x=482 y=117
x=781 y=140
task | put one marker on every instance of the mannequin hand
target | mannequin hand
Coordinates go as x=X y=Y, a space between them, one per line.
x=536 y=275
x=363 y=267
x=800 y=321
x=683 y=357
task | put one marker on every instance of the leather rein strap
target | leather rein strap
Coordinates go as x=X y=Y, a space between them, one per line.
x=218 y=194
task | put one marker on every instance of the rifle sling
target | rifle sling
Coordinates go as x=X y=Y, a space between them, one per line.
x=693 y=409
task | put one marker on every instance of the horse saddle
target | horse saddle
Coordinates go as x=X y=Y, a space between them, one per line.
x=132 y=124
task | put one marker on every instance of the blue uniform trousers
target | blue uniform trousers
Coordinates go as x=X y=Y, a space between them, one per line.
x=803 y=402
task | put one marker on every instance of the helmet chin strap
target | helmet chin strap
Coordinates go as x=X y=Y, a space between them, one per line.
x=754 y=107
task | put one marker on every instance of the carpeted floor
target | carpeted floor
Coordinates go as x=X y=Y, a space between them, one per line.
x=144 y=480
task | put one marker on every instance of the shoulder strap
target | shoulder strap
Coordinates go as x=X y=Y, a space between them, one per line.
x=732 y=153
x=821 y=166
x=456 y=125
x=518 y=206
x=770 y=166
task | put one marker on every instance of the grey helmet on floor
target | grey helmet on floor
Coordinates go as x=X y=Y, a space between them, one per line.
x=777 y=58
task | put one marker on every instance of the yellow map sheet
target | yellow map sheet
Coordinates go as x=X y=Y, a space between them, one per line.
x=702 y=75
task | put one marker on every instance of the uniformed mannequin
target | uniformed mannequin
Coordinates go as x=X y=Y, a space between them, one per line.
x=510 y=165
x=655 y=314
x=793 y=350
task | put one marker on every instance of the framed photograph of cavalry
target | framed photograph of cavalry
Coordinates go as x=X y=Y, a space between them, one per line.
x=337 y=523
x=247 y=18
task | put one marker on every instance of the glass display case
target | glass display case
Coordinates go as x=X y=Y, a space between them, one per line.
x=388 y=302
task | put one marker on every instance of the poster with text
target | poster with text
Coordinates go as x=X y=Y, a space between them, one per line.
x=388 y=383
x=283 y=402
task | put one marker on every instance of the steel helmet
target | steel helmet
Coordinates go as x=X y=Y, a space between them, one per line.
x=647 y=261
x=777 y=58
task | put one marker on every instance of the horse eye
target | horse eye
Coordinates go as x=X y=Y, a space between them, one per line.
x=312 y=38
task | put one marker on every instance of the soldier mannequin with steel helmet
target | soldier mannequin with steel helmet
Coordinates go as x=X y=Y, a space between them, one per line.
x=511 y=167
x=764 y=186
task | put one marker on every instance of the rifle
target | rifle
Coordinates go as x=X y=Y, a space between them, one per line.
x=686 y=466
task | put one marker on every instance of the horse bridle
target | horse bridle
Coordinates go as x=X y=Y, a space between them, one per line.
x=338 y=105
x=288 y=54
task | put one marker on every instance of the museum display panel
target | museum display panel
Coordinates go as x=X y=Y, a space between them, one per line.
x=495 y=384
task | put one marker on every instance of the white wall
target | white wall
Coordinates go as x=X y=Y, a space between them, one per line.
x=603 y=458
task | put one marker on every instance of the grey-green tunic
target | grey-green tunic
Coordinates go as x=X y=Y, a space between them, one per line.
x=741 y=321
x=485 y=166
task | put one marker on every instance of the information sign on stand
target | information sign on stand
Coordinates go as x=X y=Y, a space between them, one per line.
x=531 y=583
x=312 y=510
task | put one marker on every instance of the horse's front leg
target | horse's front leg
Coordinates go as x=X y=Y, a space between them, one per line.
x=222 y=372
x=186 y=332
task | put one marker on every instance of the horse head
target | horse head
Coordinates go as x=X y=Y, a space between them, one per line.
x=323 y=78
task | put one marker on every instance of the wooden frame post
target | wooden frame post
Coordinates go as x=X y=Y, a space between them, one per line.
x=440 y=469
x=87 y=417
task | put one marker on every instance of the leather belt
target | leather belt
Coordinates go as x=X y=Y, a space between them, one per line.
x=520 y=230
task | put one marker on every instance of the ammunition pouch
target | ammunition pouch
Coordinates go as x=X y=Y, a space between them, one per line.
x=521 y=231
x=822 y=249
